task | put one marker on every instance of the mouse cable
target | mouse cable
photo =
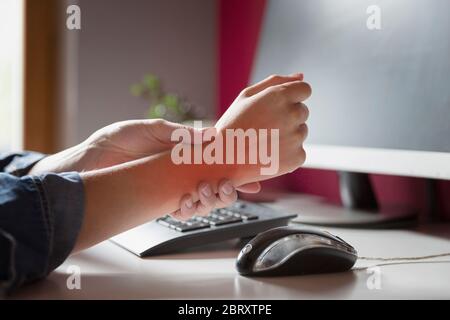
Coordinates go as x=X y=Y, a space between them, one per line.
x=401 y=262
x=447 y=254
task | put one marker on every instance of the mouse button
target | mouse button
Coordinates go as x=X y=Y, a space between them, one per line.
x=264 y=239
x=337 y=239
x=342 y=247
x=245 y=251
x=281 y=250
x=248 y=247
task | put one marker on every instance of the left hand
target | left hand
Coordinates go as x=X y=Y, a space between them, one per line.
x=114 y=144
x=130 y=140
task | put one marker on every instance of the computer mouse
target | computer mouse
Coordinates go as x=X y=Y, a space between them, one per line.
x=288 y=251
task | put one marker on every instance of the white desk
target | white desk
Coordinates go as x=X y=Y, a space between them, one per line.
x=109 y=272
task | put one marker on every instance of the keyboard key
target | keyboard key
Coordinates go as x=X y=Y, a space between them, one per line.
x=166 y=221
x=176 y=225
x=227 y=220
x=216 y=217
x=192 y=226
x=211 y=219
x=248 y=216
x=163 y=222
x=239 y=205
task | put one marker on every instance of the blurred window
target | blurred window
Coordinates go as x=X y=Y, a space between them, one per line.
x=11 y=74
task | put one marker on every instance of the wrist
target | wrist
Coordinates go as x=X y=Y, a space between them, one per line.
x=242 y=167
x=71 y=159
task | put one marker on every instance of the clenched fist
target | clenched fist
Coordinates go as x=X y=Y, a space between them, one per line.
x=274 y=103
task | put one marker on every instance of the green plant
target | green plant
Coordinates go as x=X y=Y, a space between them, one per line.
x=162 y=104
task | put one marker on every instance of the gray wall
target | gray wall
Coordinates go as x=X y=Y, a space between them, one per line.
x=122 y=40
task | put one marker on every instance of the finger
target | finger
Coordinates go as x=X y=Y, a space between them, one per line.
x=254 y=187
x=303 y=131
x=204 y=209
x=300 y=112
x=227 y=193
x=176 y=214
x=271 y=81
x=296 y=91
x=207 y=199
x=187 y=207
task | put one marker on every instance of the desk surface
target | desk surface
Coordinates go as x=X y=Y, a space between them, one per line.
x=109 y=272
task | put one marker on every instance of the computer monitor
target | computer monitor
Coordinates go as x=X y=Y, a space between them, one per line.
x=380 y=72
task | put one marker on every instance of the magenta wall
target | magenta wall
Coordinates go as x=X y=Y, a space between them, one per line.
x=239 y=25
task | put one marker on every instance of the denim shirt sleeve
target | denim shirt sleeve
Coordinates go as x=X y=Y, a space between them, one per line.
x=40 y=217
x=19 y=163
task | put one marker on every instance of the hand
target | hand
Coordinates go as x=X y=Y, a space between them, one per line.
x=122 y=197
x=114 y=144
x=126 y=141
x=274 y=103
x=208 y=200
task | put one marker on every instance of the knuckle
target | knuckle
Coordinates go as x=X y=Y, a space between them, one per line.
x=278 y=93
x=303 y=131
x=245 y=92
x=300 y=112
x=209 y=201
x=297 y=160
x=181 y=215
x=306 y=87
x=203 y=210
x=301 y=157
x=233 y=197
x=304 y=112
x=272 y=90
x=283 y=87
x=158 y=123
x=297 y=113
x=175 y=214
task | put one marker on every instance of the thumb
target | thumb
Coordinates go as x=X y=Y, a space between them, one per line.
x=271 y=81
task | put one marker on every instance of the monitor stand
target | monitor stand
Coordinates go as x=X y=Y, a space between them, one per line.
x=359 y=208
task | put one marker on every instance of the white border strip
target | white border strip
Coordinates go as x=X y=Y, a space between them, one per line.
x=382 y=161
x=17 y=93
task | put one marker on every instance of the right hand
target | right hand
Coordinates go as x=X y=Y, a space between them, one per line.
x=274 y=103
x=208 y=200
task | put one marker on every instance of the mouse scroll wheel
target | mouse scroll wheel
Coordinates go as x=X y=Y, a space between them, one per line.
x=248 y=247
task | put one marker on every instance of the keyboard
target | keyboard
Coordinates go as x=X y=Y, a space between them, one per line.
x=168 y=235
x=218 y=217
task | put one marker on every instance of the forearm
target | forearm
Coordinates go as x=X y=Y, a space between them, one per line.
x=71 y=159
x=125 y=196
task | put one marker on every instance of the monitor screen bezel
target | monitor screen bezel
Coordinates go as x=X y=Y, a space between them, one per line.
x=421 y=164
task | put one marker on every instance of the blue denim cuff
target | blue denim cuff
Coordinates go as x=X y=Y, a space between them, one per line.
x=40 y=218
x=64 y=201
x=21 y=163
